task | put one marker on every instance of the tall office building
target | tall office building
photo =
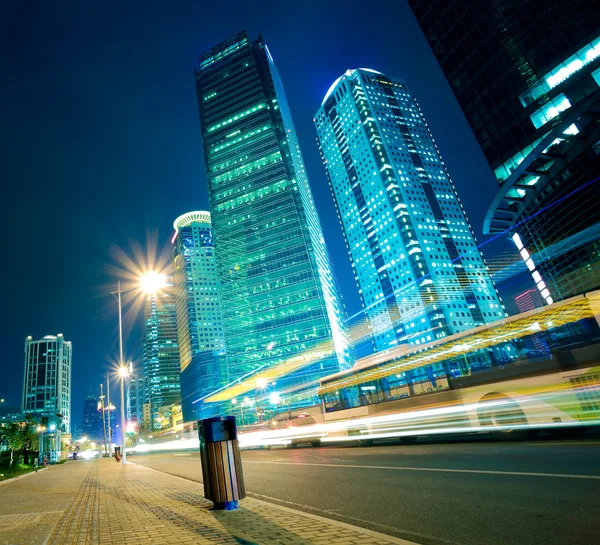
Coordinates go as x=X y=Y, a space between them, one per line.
x=199 y=322
x=91 y=424
x=278 y=295
x=136 y=388
x=414 y=255
x=47 y=380
x=196 y=283
x=529 y=300
x=161 y=352
x=527 y=76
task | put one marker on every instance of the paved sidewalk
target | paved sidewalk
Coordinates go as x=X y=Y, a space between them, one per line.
x=101 y=502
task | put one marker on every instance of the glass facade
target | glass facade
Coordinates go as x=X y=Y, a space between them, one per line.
x=414 y=255
x=161 y=352
x=278 y=295
x=196 y=286
x=524 y=74
x=47 y=380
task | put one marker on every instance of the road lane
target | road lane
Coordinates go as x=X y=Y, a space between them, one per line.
x=475 y=493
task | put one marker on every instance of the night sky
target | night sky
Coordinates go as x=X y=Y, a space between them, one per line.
x=101 y=146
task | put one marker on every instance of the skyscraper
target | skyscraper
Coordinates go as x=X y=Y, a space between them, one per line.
x=47 y=381
x=529 y=300
x=196 y=284
x=161 y=351
x=136 y=388
x=278 y=294
x=414 y=255
x=199 y=322
x=91 y=424
x=527 y=76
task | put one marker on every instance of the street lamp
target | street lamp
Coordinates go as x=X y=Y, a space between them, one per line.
x=149 y=283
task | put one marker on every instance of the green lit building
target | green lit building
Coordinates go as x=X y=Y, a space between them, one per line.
x=161 y=351
x=278 y=294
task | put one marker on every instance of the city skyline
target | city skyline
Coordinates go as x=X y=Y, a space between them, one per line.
x=332 y=265
x=287 y=64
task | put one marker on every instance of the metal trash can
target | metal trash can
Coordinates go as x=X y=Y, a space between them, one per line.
x=221 y=462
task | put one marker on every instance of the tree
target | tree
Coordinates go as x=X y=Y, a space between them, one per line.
x=17 y=434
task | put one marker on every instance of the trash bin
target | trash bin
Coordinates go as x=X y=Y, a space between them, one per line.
x=221 y=462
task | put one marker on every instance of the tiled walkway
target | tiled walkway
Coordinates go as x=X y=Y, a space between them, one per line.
x=102 y=502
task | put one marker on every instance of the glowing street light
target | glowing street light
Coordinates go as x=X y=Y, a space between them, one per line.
x=152 y=281
x=149 y=282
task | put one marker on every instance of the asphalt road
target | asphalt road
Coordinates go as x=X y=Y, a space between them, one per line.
x=488 y=493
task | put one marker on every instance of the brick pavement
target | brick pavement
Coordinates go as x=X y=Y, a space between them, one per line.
x=101 y=502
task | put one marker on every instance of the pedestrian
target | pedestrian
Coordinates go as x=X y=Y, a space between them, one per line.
x=25 y=451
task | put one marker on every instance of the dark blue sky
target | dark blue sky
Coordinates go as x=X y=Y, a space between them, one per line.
x=101 y=144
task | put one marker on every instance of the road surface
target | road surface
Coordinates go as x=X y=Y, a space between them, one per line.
x=481 y=493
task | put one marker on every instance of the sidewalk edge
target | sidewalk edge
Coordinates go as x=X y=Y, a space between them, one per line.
x=33 y=472
x=371 y=533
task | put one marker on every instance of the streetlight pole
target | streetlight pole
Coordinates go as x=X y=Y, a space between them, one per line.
x=103 y=421
x=108 y=413
x=123 y=373
x=149 y=283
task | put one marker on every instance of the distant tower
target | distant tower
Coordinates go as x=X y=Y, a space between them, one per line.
x=92 y=419
x=529 y=300
x=161 y=351
x=279 y=298
x=414 y=255
x=135 y=397
x=47 y=381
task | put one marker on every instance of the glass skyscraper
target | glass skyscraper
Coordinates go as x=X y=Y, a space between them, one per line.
x=199 y=322
x=414 y=255
x=161 y=352
x=47 y=380
x=527 y=76
x=196 y=286
x=278 y=295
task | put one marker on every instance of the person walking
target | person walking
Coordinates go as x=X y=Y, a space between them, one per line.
x=25 y=450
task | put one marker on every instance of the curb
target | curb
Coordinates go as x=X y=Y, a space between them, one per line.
x=33 y=472
x=332 y=522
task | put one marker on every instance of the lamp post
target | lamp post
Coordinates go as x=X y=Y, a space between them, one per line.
x=123 y=373
x=149 y=282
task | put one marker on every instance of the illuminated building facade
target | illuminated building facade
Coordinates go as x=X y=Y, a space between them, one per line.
x=414 y=255
x=161 y=352
x=278 y=296
x=527 y=76
x=47 y=381
x=196 y=284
